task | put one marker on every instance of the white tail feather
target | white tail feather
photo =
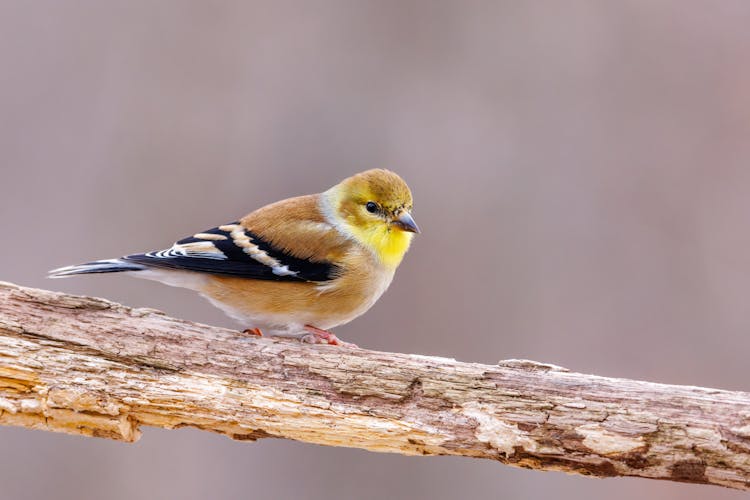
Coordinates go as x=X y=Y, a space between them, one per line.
x=98 y=266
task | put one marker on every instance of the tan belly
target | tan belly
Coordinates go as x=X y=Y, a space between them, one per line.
x=279 y=306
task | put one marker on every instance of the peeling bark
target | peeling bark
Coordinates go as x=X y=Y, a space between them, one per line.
x=92 y=367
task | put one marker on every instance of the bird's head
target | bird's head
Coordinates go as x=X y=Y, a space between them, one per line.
x=374 y=207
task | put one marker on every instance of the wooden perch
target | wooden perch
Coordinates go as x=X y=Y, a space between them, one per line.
x=92 y=367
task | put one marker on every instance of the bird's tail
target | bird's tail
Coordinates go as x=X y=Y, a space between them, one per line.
x=97 y=266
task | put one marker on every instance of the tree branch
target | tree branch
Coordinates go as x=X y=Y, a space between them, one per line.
x=92 y=367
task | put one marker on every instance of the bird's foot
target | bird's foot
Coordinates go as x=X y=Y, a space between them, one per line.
x=253 y=331
x=320 y=336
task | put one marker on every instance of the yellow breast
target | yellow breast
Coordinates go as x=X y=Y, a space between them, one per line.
x=389 y=244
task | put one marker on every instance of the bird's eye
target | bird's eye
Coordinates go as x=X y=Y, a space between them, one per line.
x=372 y=207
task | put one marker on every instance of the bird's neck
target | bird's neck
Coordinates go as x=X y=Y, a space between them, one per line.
x=389 y=245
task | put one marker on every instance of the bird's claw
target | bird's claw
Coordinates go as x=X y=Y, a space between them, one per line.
x=320 y=336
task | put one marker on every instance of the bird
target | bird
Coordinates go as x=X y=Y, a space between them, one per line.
x=294 y=268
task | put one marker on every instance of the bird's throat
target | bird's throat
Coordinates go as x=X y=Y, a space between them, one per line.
x=389 y=244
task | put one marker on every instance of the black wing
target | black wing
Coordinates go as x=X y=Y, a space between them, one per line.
x=231 y=250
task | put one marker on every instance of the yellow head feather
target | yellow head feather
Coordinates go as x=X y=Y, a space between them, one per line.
x=368 y=205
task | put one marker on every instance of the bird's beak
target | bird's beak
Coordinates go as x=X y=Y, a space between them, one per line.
x=406 y=222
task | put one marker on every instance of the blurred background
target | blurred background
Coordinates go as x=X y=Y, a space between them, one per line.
x=580 y=172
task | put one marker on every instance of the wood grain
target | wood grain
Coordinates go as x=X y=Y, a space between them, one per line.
x=92 y=367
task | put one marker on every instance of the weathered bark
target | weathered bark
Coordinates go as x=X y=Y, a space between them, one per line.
x=92 y=367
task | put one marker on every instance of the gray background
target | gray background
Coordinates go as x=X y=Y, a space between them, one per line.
x=580 y=171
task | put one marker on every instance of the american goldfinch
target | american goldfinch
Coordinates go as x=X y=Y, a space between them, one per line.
x=297 y=267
